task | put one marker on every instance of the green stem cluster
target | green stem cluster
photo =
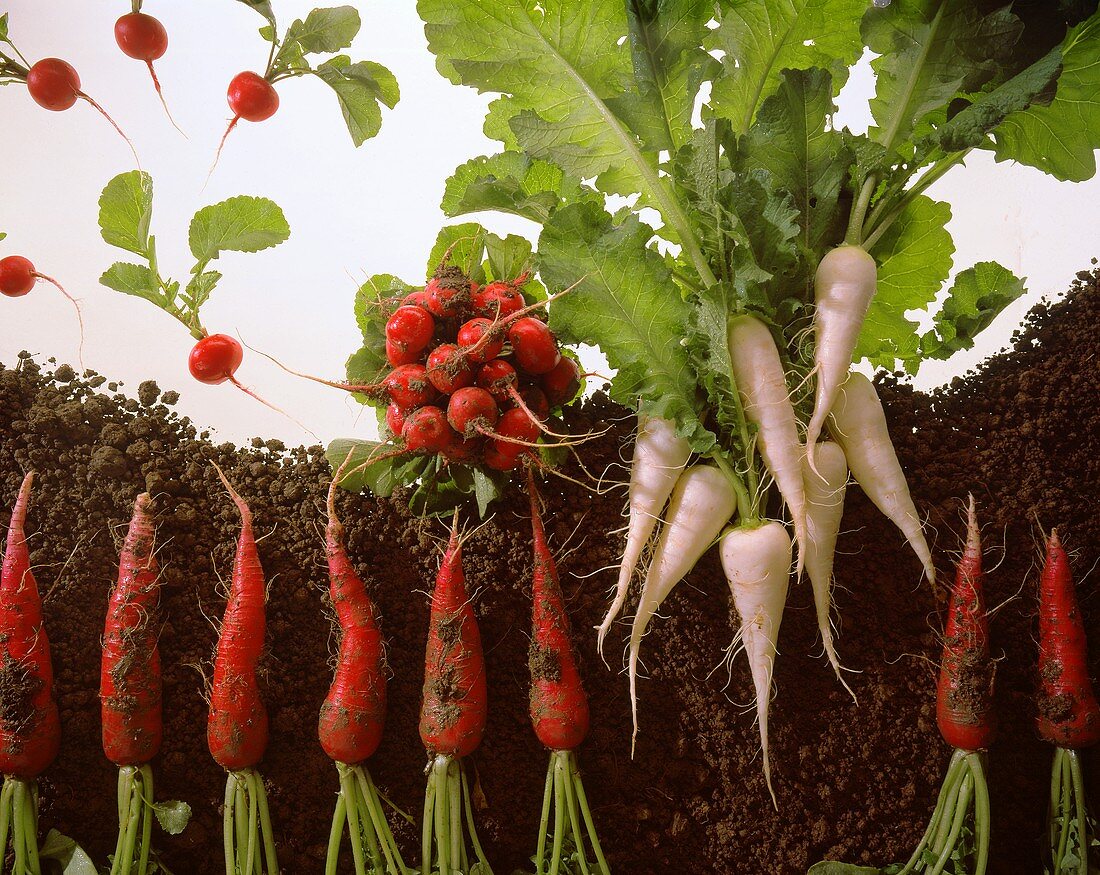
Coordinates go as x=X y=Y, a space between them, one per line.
x=19 y=824
x=247 y=835
x=135 y=821
x=1069 y=831
x=373 y=847
x=573 y=824
x=448 y=818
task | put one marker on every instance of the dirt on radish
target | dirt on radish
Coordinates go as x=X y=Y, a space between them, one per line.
x=852 y=783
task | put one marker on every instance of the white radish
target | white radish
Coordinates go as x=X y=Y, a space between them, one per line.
x=701 y=504
x=859 y=425
x=659 y=457
x=824 y=509
x=762 y=385
x=757 y=563
x=843 y=288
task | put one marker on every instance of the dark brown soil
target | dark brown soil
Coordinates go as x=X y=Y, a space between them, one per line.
x=856 y=783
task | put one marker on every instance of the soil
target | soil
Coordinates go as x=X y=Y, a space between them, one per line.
x=853 y=782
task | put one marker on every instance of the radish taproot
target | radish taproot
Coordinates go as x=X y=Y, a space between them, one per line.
x=702 y=502
x=142 y=37
x=757 y=564
x=858 y=423
x=660 y=455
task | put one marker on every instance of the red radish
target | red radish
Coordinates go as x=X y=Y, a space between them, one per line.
x=1069 y=715
x=236 y=730
x=463 y=450
x=480 y=339
x=535 y=400
x=17 y=278
x=130 y=684
x=397 y=355
x=502 y=457
x=408 y=386
x=143 y=38
x=410 y=328
x=426 y=431
x=448 y=292
x=498 y=378
x=533 y=346
x=419 y=298
x=964 y=696
x=448 y=369
x=215 y=359
x=497 y=300
x=252 y=98
x=515 y=428
x=30 y=727
x=562 y=382
x=395 y=418
x=472 y=411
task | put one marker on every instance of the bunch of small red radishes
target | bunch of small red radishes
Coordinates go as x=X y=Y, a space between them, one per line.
x=476 y=372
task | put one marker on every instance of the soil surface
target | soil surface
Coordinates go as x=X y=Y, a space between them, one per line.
x=853 y=782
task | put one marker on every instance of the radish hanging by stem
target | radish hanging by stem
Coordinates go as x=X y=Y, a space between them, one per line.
x=825 y=489
x=767 y=404
x=236 y=729
x=843 y=288
x=858 y=423
x=354 y=712
x=452 y=719
x=660 y=455
x=130 y=696
x=702 y=502
x=757 y=564
x=18 y=276
x=1069 y=716
x=142 y=37
x=559 y=713
x=30 y=727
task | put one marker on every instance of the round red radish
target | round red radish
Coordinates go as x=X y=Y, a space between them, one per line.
x=515 y=424
x=426 y=430
x=53 y=84
x=533 y=345
x=498 y=459
x=562 y=382
x=497 y=300
x=472 y=410
x=448 y=369
x=462 y=451
x=141 y=36
x=448 y=293
x=17 y=276
x=536 y=402
x=395 y=418
x=495 y=377
x=408 y=386
x=419 y=298
x=471 y=334
x=252 y=97
x=215 y=359
x=399 y=355
x=410 y=327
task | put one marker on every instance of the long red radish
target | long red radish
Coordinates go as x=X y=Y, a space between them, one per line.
x=453 y=711
x=825 y=489
x=964 y=695
x=762 y=385
x=237 y=725
x=558 y=708
x=660 y=455
x=702 y=502
x=858 y=424
x=844 y=285
x=757 y=563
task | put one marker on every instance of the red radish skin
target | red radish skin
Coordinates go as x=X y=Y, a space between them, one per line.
x=426 y=431
x=447 y=294
x=472 y=411
x=448 y=369
x=964 y=696
x=410 y=328
x=54 y=84
x=215 y=359
x=141 y=37
x=497 y=300
x=477 y=349
x=498 y=378
x=515 y=429
x=533 y=346
x=502 y=457
x=395 y=418
x=462 y=451
x=453 y=710
x=1069 y=715
x=408 y=386
x=236 y=728
x=562 y=382
x=559 y=706
x=17 y=276
x=535 y=400
x=130 y=679
x=252 y=97
x=398 y=355
x=419 y=298
x=354 y=712
x=30 y=727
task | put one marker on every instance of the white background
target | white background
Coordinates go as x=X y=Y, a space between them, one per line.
x=353 y=212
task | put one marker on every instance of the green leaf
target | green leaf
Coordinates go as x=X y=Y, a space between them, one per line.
x=931 y=50
x=830 y=868
x=488 y=487
x=2 y=235
x=325 y=30
x=374 y=301
x=200 y=286
x=133 y=279
x=4 y=27
x=978 y=295
x=508 y=257
x=172 y=816
x=67 y=853
x=382 y=476
x=511 y=183
x=466 y=242
x=126 y=211
x=763 y=37
x=914 y=260
x=1060 y=139
x=240 y=224
x=360 y=88
x=263 y=7
x=793 y=139
x=627 y=304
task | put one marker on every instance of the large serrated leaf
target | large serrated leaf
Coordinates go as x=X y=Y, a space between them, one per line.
x=977 y=296
x=362 y=88
x=133 y=279
x=511 y=183
x=463 y=245
x=326 y=30
x=239 y=224
x=126 y=211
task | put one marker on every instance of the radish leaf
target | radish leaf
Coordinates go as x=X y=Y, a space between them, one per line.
x=510 y=183
x=977 y=296
x=239 y=224
x=360 y=87
x=133 y=279
x=126 y=211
